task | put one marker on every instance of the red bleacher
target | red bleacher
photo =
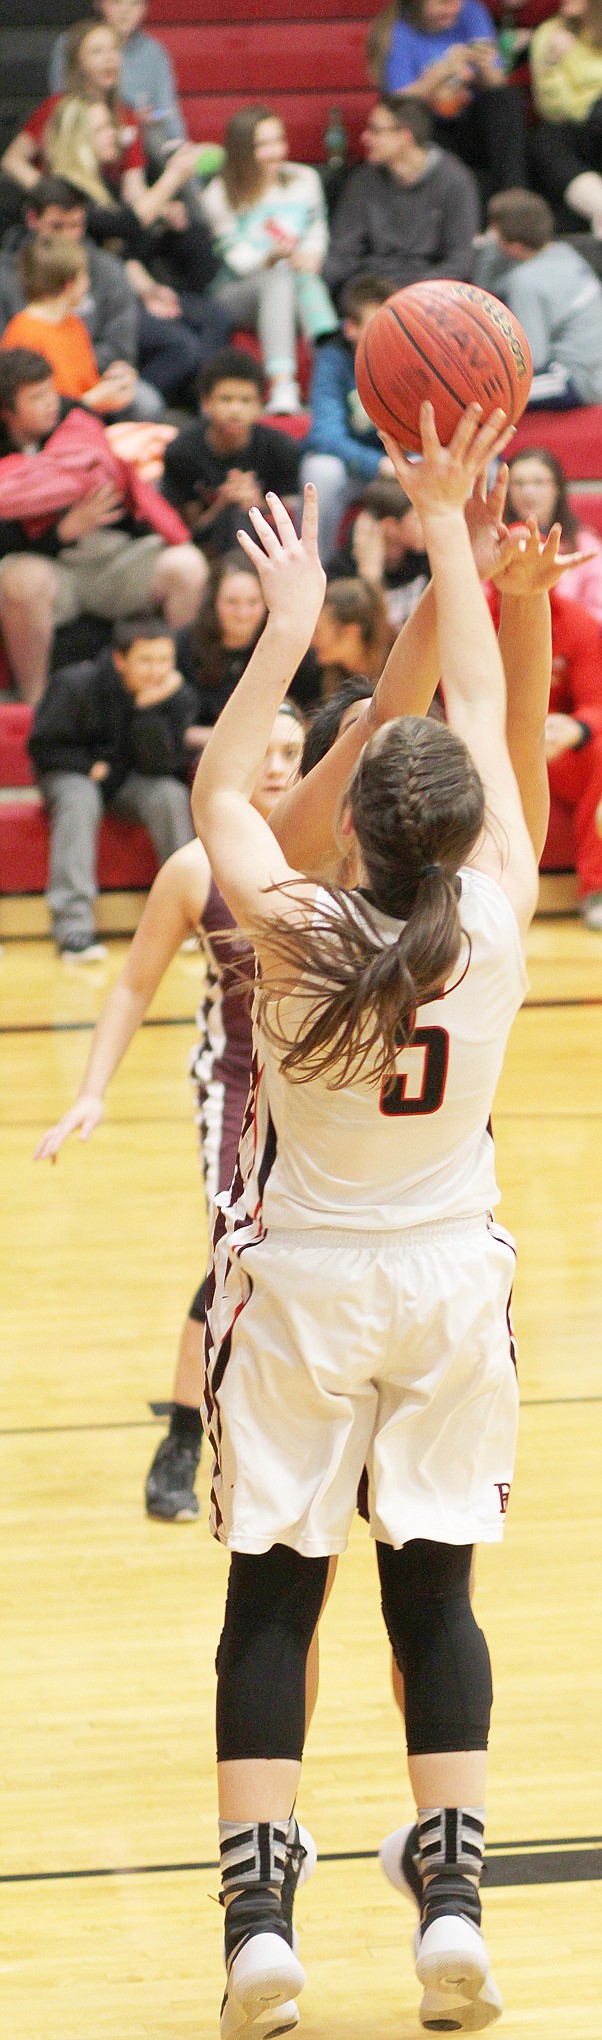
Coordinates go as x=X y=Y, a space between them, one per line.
x=301 y=66
x=574 y=436
x=126 y=857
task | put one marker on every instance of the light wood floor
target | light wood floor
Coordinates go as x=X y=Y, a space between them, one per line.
x=110 y=1622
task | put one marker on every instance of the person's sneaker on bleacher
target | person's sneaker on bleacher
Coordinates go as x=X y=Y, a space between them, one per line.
x=83 y=949
x=590 y=908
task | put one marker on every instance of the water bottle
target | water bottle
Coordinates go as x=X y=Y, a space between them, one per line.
x=508 y=41
x=336 y=140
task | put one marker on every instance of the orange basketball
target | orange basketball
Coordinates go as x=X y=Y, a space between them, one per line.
x=448 y=342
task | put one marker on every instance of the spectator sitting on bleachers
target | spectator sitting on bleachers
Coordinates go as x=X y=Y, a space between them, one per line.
x=111 y=734
x=148 y=85
x=146 y=77
x=93 y=59
x=129 y=313
x=87 y=558
x=178 y=329
x=574 y=739
x=352 y=635
x=268 y=219
x=552 y=291
x=343 y=451
x=445 y=51
x=54 y=276
x=220 y=467
x=411 y=211
x=109 y=309
x=538 y=488
x=386 y=547
x=213 y=652
x=565 y=146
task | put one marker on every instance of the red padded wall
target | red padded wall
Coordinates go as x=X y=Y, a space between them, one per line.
x=301 y=66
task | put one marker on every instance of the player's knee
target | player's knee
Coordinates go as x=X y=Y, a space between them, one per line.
x=272 y=1607
x=438 y=1646
x=273 y=1589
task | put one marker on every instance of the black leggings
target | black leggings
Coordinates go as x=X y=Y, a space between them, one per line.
x=272 y=1608
x=425 y=1594
x=273 y=1604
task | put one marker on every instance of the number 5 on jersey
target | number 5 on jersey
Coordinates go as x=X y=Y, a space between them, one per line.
x=421 y=1066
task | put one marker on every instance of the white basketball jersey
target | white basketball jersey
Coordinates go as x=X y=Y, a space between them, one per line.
x=382 y=1156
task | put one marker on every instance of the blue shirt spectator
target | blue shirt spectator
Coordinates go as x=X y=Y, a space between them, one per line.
x=445 y=53
x=339 y=422
x=343 y=451
x=413 y=48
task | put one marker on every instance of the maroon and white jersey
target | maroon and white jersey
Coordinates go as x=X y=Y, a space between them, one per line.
x=221 y=1059
x=380 y=1157
x=324 y=1182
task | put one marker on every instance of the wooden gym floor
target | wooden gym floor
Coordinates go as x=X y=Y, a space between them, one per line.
x=110 y=1621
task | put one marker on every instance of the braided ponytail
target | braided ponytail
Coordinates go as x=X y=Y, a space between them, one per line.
x=417 y=806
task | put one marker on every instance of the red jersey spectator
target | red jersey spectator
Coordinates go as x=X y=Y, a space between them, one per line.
x=93 y=62
x=92 y=74
x=574 y=739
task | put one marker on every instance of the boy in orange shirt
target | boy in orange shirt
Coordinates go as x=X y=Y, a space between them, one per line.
x=54 y=276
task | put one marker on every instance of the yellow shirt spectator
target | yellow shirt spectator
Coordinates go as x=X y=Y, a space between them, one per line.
x=565 y=85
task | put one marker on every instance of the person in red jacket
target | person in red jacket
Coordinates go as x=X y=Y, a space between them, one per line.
x=574 y=740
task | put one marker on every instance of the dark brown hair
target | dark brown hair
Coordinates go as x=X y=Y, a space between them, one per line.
x=385 y=497
x=417 y=806
x=208 y=652
x=231 y=364
x=53 y=191
x=356 y=601
x=20 y=369
x=562 y=513
x=408 y=111
x=327 y=718
x=135 y=630
x=242 y=174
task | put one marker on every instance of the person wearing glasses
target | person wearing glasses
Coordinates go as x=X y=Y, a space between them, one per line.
x=410 y=210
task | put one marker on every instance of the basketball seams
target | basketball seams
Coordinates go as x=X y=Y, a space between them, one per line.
x=471 y=314
x=431 y=365
x=471 y=320
x=397 y=421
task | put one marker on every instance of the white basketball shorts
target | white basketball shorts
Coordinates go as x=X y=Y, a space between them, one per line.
x=329 y=1352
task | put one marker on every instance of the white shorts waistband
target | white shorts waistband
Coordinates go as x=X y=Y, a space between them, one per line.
x=357 y=1236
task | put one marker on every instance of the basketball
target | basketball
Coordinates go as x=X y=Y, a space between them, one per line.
x=449 y=342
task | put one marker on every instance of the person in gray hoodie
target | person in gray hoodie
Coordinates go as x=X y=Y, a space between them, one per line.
x=411 y=211
x=554 y=293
